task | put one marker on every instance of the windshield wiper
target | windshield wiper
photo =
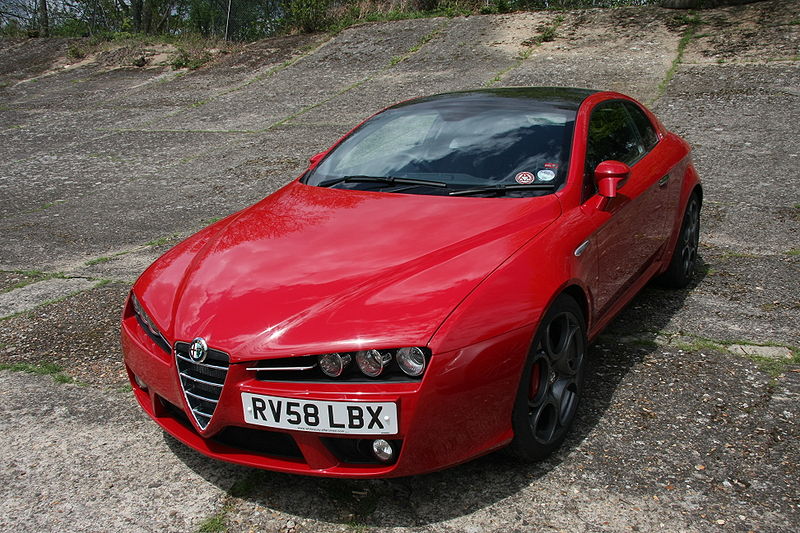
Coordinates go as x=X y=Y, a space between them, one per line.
x=503 y=188
x=388 y=180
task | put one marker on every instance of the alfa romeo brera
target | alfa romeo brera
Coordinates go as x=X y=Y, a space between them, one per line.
x=424 y=293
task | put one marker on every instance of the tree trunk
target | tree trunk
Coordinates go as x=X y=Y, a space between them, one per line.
x=167 y=12
x=136 y=15
x=44 y=20
x=147 y=16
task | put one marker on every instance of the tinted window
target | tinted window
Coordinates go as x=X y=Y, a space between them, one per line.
x=643 y=124
x=464 y=141
x=612 y=136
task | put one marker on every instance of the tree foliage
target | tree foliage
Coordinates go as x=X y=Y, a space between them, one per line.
x=238 y=19
x=245 y=20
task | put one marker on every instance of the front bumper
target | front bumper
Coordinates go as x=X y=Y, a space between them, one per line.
x=461 y=409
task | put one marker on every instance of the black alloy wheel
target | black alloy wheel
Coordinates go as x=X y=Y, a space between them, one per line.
x=684 y=257
x=551 y=383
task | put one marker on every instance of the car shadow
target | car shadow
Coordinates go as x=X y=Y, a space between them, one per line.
x=461 y=490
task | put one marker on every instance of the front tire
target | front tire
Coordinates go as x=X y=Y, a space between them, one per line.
x=551 y=383
x=684 y=257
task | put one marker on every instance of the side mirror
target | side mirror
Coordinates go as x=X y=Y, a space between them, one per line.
x=609 y=176
x=314 y=159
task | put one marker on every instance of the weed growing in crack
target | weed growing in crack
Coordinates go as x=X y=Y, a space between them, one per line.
x=42 y=369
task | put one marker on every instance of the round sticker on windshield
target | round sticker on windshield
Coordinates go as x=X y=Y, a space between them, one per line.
x=546 y=175
x=524 y=178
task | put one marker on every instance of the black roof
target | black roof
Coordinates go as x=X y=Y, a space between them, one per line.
x=562 y=97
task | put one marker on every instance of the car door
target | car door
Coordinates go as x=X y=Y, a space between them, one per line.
x=630 y=237
x=657 y=165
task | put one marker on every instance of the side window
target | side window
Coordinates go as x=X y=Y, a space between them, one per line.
x=612 y=135
x=643 y=124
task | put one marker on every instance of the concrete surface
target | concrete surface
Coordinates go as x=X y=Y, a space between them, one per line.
x=690 y=420
x=30 y=296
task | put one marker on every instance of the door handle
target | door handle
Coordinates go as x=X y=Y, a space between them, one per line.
x=663 y=181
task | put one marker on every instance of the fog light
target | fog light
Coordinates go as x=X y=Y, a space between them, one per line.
x=383 y=450
x=411 y=361
x=372 y=362
x=138 y=380
x=333 y=364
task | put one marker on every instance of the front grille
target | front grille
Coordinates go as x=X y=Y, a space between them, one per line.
x=201 y=382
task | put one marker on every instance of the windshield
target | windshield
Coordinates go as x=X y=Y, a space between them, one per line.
x=468 y=141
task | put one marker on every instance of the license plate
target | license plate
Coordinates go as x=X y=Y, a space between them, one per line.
x=351 y=418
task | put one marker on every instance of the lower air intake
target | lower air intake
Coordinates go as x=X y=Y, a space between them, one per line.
x=201 y=382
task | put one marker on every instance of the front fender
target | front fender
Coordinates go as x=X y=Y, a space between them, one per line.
x=517 y=294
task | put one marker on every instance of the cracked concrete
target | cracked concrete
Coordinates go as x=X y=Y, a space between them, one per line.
x=30 y=296
x=676 y=432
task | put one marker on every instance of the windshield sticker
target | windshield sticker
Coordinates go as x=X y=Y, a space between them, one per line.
x=545 y=175
x=524 y=178
x=552 y=166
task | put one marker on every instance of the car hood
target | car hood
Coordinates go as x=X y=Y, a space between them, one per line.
x=311 y=270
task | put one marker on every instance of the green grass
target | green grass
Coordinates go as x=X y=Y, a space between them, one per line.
x=546 y=33
x=107 y=258
x=34 y=275
x=772 y=367
x=425 y=39
x=47 y=205
x=698 y=344
x=691 y=21
x=688 y=19
x=768 y=365
x=214 y=523
x=191 y=60
x=793 y=251
x=693 y=344
x=160 y=241
x=51 y=204
x=45 y=369
x=525 y=54
x=98 y=260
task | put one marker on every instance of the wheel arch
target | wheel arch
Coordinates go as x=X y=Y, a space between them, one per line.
x=698 y=190
x=577 y=293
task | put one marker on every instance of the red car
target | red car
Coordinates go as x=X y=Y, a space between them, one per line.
x=423 y=293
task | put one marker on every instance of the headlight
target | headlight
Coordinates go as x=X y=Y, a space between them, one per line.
x=148 y=325
x=333 y=364
x=384 y=364
x=372 y=362
x=411 y=361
